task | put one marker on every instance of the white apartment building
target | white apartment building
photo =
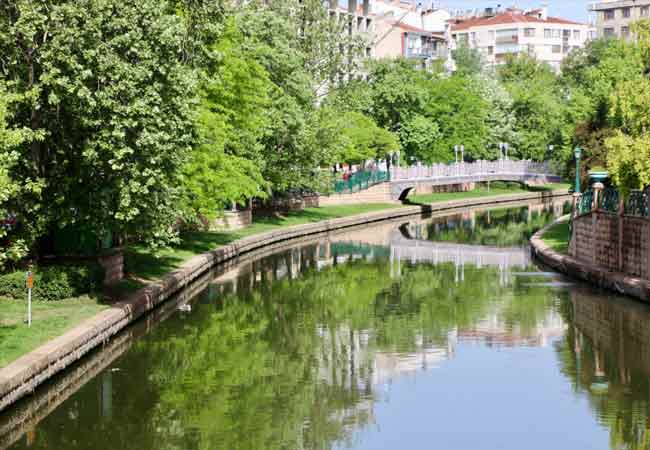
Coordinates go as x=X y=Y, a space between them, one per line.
x=497 y=34
x=614 y=17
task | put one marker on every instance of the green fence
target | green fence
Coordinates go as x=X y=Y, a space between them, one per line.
x=359 y=181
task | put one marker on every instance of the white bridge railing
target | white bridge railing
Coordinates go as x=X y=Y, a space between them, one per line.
x=477 y=168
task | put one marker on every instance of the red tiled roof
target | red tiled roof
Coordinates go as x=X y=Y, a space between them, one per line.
x=505 y=18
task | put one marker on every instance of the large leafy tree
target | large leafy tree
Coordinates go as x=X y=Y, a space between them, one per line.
x=105 y=86
x=226 y=166
x=537 y=104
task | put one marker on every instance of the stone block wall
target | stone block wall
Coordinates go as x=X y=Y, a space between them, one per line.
x=615 y=242
x=636 y=246
x=234 y=220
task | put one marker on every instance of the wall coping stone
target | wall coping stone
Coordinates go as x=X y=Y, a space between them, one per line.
x=615 y=281
x=22 y=376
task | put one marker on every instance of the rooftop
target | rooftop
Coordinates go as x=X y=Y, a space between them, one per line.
x=506 y=17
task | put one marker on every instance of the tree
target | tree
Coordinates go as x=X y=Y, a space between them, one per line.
x=468 y=61
x=419 y=137
x=537 y=105
x=364 y=140
x=226 y=166
x=16 y=234
x=461 y=114
x=628 y=156
x=104 y=85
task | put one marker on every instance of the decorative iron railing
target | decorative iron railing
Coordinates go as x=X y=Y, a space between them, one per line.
x=586 y=202
x=359 y=181
x=476 y=168
x=637 y=204
x=608 y=200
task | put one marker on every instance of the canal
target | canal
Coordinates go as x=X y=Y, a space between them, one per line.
x=433 y=333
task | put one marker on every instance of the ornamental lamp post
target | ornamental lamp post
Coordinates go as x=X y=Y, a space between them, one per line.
x=505 y=150
x=456 y=154
x=577 y=153
x=462 y=152
x=550 y=150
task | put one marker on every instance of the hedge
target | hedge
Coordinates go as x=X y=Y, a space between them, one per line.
x=53 y=283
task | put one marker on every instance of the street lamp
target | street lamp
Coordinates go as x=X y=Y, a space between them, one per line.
x=456 y=154
x=577 y=153
x=550 y=150
x=462 y=152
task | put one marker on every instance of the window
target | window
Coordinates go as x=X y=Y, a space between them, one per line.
x=608 y=32
x=557 y=49
x=576 y=35
x=531 y=49
x=645 y=11
x=491 y=35
x=626 y=12
x=473 y=37
x=529 y=32
x=608 y=14
x=490 y=50
x=625 y=31
x=547 y=33
x=557 y=34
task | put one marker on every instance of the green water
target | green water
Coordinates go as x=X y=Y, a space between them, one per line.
x=436 y=333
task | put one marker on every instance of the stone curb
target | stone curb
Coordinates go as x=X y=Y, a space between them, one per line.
x=604 y=278
x=22 y=376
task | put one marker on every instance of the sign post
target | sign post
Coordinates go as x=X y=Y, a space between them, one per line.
x=30 y=284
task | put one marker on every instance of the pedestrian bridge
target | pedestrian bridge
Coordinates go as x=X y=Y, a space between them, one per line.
x=404 y=179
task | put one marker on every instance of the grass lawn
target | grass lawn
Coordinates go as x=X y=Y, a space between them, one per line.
x=557 y=237
x=143 y=264
x=49 y=320
x=496 y=188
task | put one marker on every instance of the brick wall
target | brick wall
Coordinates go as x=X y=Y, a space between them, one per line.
x=596 y=240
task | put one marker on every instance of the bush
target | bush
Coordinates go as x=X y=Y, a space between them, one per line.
x=54 y=282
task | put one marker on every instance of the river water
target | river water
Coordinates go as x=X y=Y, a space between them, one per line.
x=430 y=333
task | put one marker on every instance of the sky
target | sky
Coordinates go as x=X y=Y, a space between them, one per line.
x=567 y=9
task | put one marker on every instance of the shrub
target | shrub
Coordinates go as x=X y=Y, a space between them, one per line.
x=54 y=282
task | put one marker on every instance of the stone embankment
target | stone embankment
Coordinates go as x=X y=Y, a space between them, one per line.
x=595 y=274
x=24 y=375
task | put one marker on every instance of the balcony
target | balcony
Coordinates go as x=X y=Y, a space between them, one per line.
x=508 y=39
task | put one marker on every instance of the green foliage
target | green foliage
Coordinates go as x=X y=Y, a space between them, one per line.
x=537 y=106
x=102 y=83
x=468 y=61
x=227 y=165
x=364 y=140
x=419 y=140
x=53 y=283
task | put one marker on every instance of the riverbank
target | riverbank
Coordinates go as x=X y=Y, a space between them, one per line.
x=25 y=374
x=550 y=246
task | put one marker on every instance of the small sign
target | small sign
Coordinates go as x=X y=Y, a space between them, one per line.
x=30 y=280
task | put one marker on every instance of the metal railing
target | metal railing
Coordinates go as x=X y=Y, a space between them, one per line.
x=359 y=181
x=477 y=168
x=637 y=204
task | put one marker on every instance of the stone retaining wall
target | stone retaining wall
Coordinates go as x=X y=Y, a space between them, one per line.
x=234 y=220
x=614 y=242
x=23 y=375
x=587 y=270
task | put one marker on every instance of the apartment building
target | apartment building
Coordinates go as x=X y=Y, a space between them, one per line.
x=615 y=17
x=410 y=31
x=497 y=33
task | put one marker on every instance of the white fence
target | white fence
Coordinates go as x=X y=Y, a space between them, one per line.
x=477 y=168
